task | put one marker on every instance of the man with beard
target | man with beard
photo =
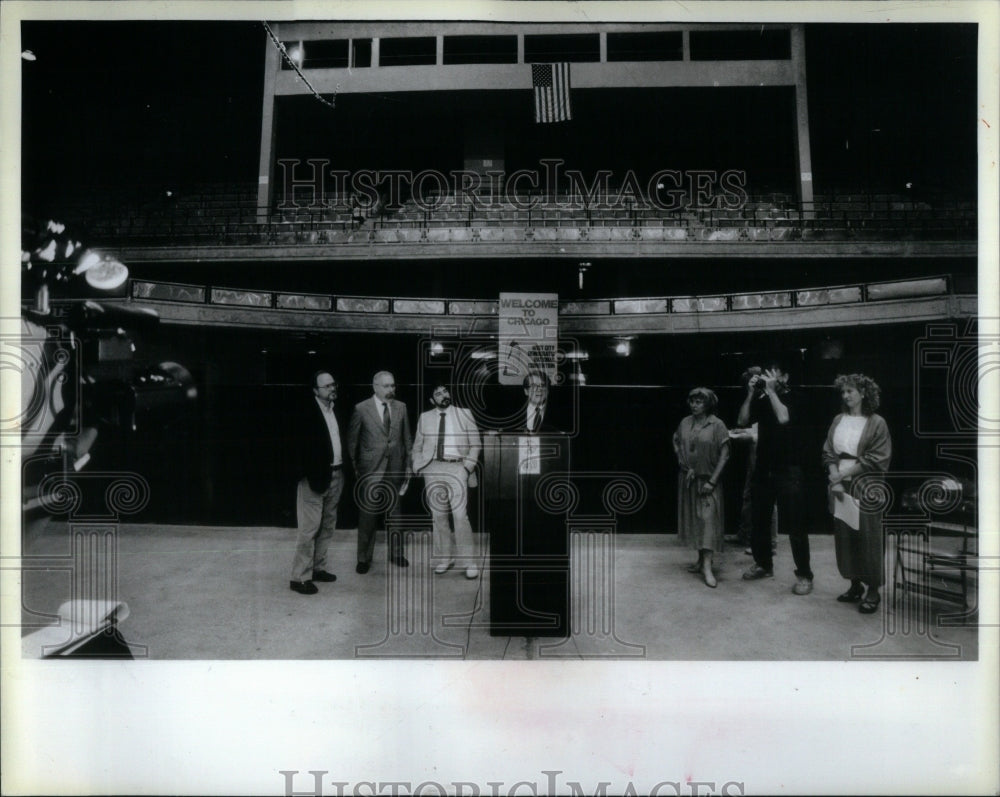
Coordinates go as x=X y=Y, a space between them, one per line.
x=445 y=452
x=321 y=485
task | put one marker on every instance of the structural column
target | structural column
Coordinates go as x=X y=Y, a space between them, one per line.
x=265 y=170
x=805 y=180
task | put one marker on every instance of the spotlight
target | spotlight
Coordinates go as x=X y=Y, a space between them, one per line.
x=623 y=347
x=101 y=271
x=437 y=348
x=27 y=55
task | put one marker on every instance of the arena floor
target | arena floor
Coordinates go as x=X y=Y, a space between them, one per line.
x=202 y=593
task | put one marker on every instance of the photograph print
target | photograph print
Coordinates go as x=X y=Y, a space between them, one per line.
x=518 y=337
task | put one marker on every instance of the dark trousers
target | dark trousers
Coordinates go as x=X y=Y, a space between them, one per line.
x=381 y=500
x=781 y=486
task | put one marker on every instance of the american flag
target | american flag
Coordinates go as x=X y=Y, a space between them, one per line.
x=551 y=85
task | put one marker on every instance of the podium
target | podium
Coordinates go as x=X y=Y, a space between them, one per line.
x=526 y=501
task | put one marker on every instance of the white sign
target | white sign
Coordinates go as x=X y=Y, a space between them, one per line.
x=529 y=335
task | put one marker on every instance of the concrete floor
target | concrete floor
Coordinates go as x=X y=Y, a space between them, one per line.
x=222 y=593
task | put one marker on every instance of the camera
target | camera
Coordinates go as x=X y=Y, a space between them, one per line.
x=754 y=378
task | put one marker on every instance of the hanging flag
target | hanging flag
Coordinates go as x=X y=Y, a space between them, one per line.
x=551 y=85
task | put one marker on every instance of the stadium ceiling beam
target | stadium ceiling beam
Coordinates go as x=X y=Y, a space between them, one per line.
x=334 y=253
x=507 y=77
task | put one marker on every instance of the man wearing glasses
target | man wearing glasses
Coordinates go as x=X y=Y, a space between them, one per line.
x=319 y=489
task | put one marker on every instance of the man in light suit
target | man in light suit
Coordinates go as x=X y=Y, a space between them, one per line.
x=445 y=452
x=379 y=444
x=321 y=460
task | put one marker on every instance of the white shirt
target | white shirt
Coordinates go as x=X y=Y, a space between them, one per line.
x=848 y=433
x=452 y=430
x=334 y=428
x=846 y=437
x=380 y=407
x=529 y=415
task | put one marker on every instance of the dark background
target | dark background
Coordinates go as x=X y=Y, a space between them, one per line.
x=170 y=103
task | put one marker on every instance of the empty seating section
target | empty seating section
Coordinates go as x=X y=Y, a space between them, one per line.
x=228 y=215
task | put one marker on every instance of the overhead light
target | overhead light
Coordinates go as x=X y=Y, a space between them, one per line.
x=483 y=354
x=27 y=55
x=437 y=348
x=297 y=54
x=623 y=346
x=577 y=355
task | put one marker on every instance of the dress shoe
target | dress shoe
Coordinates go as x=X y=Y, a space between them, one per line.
x=755 y=571
x=803 y=586
x=472 y=572
x=363 y=567
x=323 y=575
x=399 y=560
x=709 y=577
x=303 y=587
x=444 y=567
x=695 y=568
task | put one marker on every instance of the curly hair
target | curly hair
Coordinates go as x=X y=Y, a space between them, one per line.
x=871 y=392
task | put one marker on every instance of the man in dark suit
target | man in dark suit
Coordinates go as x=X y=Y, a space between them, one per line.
x=529 y=542
x=321 y=485
x=379 y=445
x=535 y=416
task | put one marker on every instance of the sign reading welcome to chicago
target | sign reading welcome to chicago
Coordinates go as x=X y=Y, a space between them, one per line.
x=529 y=335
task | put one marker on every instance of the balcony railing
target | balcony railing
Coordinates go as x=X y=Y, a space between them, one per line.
x=220 y=218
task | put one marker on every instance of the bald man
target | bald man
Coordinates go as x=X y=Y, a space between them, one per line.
x=379 y=445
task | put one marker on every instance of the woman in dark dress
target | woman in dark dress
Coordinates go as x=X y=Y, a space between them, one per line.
x=701 y=444
x=857 y=443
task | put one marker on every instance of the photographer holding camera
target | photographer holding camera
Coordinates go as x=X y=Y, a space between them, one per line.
x=777 y=477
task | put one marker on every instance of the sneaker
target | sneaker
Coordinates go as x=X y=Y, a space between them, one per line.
x=755 y=571
x=803 y=586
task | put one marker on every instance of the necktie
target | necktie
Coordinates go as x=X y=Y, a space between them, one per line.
x=440 y=445
x=536 y=420
x=385 y=417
